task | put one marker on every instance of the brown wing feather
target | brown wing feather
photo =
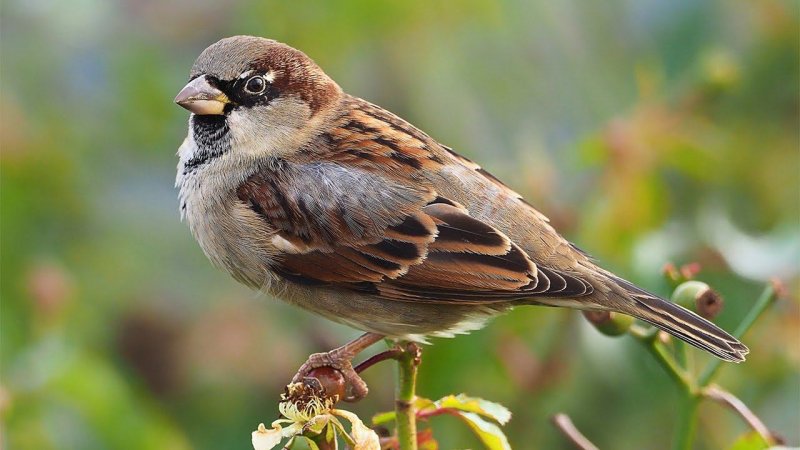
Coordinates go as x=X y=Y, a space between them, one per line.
x=362 y=218
x=440 y=254
x=324 y=204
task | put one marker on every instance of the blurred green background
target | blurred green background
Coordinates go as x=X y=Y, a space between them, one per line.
x=648 y=131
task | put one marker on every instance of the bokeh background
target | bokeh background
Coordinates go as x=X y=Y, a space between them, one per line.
x=648 y=131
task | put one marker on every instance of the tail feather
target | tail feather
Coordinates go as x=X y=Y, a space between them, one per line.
x=684 y=324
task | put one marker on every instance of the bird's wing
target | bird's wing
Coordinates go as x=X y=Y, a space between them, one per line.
x=340 y=224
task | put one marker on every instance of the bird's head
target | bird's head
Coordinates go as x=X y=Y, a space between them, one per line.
x=254 y=95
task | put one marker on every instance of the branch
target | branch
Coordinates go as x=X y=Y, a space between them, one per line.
x=726 y=398
x=392 y=353
x=564 y=423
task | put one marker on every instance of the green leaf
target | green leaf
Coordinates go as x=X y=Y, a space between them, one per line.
x=382 y=418
x=339 y=428
x=316 y=425
x=750 y=441
x=326 y=436
x=489 y=433
x=310 y=442
x=421 y=403
x=330 y=436
x=472 y=411
x=462 y=402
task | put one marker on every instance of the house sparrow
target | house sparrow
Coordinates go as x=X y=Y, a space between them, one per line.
x=342 y=208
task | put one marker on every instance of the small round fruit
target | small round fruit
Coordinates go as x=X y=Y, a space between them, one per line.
x=331 y=379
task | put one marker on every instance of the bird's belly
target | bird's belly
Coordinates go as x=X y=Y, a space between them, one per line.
x=403 y=320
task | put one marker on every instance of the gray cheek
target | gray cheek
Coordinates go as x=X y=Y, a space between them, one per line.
x=268 y=130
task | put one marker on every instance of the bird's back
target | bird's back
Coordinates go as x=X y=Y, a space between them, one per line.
x=461 y=180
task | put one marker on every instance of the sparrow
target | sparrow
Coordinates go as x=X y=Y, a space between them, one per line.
x=344 y=209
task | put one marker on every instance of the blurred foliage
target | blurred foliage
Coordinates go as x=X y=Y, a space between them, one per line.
x=647 y=131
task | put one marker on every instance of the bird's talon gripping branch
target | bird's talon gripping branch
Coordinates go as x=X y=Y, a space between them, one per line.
x=340 y=359
x=357 y=387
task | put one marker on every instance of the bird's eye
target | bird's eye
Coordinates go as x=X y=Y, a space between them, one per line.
x=255 y=85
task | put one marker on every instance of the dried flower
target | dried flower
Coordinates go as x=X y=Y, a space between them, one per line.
x=303 y=401
x=307 y=412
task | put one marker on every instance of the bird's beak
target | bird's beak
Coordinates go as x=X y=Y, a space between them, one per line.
x=201 y=98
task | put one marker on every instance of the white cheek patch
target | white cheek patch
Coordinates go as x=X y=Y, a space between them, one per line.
x=272 y=129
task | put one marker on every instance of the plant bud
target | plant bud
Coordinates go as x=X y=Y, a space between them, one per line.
x=698 y=297
x=671 y=273
x=608 y=322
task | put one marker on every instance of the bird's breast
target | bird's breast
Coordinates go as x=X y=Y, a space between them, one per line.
x=231 y=235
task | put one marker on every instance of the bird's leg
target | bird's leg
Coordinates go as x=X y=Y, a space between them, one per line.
x=340 y=359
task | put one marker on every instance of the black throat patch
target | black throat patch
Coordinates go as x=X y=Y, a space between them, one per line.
x=212 y=136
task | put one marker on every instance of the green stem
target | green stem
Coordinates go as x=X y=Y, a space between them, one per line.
x=650 y=341
x=406 y=414
x=323 y=443
x=684 y=433
x=681 y=355
x=764 y=301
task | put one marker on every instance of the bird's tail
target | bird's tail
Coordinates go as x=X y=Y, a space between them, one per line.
x=682 y=323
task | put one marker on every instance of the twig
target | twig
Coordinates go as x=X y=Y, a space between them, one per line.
x=726 y=398
x=405 y=411
x=564 y=423
x=649 y=339
x=392 y=353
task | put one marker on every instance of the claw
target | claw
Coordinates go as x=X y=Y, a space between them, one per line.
x=341 y=359
x=358 y=388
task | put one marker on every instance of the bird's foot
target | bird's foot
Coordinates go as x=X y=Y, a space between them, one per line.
x=339 y=376
x=339 y=359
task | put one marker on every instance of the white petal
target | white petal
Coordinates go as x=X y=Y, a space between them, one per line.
x=364 y=437
x=264 y=439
